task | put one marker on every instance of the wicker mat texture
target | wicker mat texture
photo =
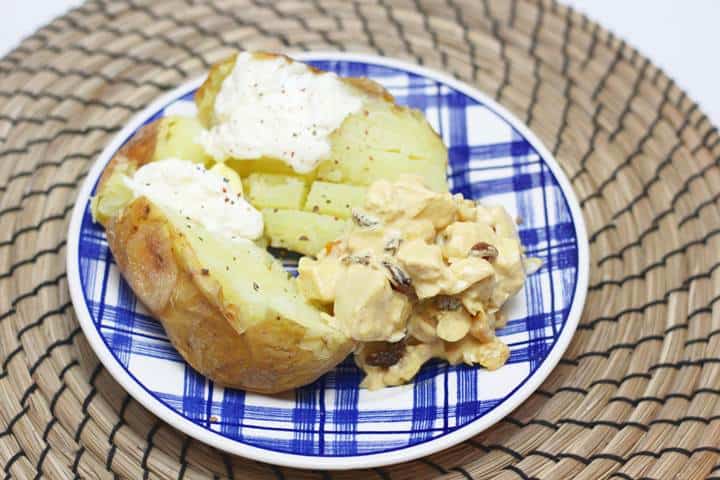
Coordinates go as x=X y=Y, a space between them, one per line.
x=637 y=394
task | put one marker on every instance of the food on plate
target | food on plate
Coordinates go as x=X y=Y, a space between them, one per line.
x=419 y=275
x=308 y=141
x=398 y=270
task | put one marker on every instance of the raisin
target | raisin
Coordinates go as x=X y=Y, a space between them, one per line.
x=399 y=280
x=387 y=355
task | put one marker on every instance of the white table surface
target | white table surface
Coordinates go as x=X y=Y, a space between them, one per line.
x=679 y=36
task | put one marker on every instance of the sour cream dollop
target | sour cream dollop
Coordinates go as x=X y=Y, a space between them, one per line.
x=274 y=107
x=196 y=195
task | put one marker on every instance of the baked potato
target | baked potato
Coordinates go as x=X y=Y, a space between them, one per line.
x=230 y=309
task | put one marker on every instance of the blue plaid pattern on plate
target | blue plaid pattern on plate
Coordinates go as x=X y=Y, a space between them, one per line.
x=489 y=160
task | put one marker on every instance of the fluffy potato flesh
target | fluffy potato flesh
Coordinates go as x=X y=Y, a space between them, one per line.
x=230 y=309
x=335 y=199
x=385 y=141
x=177 y=137
x=113 y=197
x=302 y=232
x=273 y=190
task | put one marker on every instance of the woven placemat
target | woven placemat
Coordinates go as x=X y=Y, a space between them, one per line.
x=637 y=393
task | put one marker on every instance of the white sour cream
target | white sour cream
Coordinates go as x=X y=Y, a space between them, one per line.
x=198 y=196
x=281 y=109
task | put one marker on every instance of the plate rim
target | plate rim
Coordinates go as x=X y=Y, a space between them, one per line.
x=412 y=452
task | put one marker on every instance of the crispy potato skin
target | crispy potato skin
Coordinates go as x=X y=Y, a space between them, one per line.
x=166 y=276
x=371 y=87
x=205 y=96
x=138 y=151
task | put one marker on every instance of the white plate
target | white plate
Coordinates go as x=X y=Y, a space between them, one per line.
x=332 y=424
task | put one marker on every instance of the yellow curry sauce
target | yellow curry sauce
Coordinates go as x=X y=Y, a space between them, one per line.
x=419 y=275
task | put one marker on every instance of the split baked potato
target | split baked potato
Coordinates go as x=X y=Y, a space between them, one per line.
x=230 y=309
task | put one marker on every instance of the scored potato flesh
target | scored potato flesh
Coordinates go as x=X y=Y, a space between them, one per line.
x=273 y=190
x=334 y=198
x=255 y=284
x=302 y=232
x=384 y=141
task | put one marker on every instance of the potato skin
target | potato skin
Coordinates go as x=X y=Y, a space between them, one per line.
x=163 y=271
x=205 y=96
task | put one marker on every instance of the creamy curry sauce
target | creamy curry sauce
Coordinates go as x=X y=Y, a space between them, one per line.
x=419 y=275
